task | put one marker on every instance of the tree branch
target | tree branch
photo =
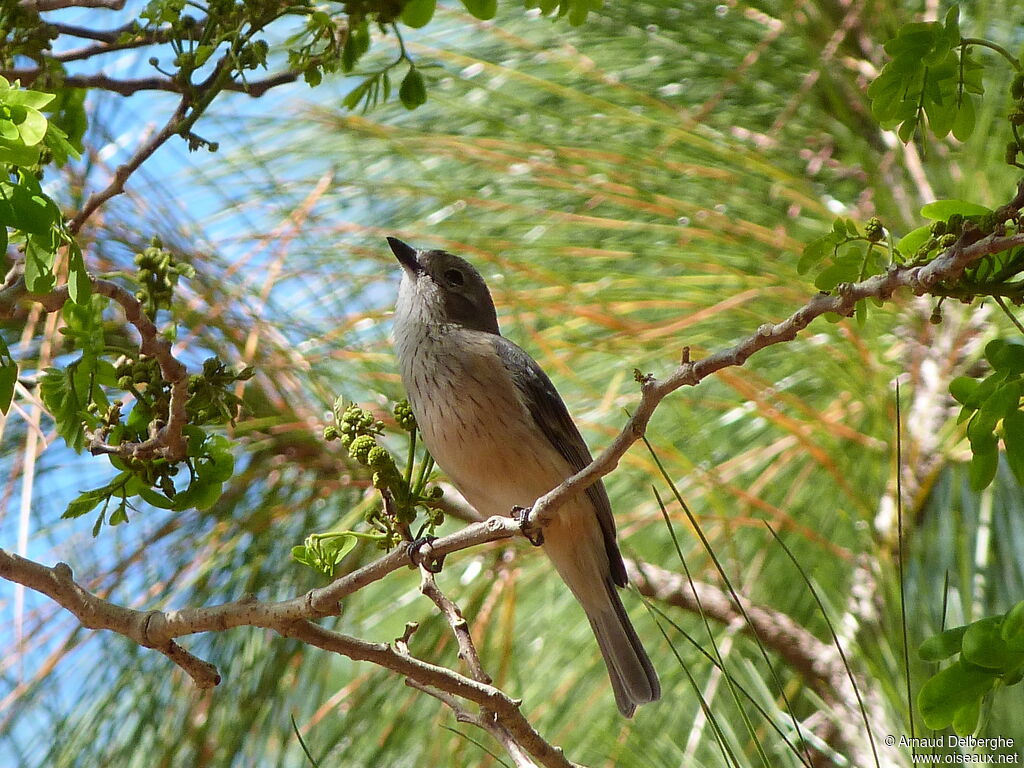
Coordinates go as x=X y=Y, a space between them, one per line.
x=487 y=720
x=94 y=612
x=104 y=82
x=116 y=186
x=920 y=280
x=58 y=5
x=499 y=712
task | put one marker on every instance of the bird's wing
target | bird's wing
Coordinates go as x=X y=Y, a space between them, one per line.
x=551 y=415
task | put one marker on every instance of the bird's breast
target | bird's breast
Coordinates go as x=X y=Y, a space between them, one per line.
x=473 y=420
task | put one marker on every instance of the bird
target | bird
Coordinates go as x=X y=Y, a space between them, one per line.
x=496 y=426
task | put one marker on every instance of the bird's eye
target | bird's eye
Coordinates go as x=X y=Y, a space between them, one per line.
x=454 y=277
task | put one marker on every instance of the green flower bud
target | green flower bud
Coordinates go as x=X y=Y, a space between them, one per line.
x=360 y=448
x=379 y=458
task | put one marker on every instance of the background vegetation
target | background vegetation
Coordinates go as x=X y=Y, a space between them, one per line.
x=630 y=186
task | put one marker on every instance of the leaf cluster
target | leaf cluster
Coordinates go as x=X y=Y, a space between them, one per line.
x=80 y=396
x=849 y=256
x=406 y=497
x=991 y=408
x=28 y=141
x=210 y=464
x=931 y=76
x=991 y=652
x=29 y=218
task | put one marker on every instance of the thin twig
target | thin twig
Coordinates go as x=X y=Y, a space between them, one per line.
x=460 y=627
x=143 y=153
x=254 y=88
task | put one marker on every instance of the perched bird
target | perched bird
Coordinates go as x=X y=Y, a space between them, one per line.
x=495 y=424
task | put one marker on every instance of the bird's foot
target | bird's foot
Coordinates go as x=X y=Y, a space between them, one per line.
x=532 y=532
x=433 y=563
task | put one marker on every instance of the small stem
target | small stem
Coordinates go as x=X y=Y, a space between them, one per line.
x=410 y=460
x=966 y=41
x=1009 y=314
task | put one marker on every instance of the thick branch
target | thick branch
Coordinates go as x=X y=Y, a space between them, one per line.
x=323 y=601
x=57 y=5
x=139 y=626
x=96 y=613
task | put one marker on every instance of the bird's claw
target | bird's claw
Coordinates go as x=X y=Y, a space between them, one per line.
x=434 y=563
x=533 y=533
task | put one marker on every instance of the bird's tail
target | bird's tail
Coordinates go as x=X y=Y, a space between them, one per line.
x=634 y=680
x=580 y=558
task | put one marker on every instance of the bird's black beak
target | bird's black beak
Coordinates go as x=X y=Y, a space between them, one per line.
x=405 y=254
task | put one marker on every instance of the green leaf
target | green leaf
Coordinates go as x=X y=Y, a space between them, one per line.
x=418 y=13
x=910 y=242
x=24 y=207
x=39 y=276
x=26 y=98
x=355 y=96
x=220 y=464
x=963 y=125
x=150 y=496
x=482 y=9
x=845 y=269
x=8 y=378
x=64 y=406
x=984 y=646
x=413 y=91
x=302 y=555
x=1012 y=630
x=1002 y=401
x=201 y=495
x=16 y=154
x=86 y=502
x=578 y=11
x=1005 y=355
x=119 y=515
x=963 y=389
x=948 y=691
x=940 y=116
x=952 y=26
x=79 y=285
x=1013 y=440
x=966 y=718
x=907 y=129
x=941 y=210
x=983 y=466
x=32 y=127
x=357 y=43
x=942 y=645
x=816 y=250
